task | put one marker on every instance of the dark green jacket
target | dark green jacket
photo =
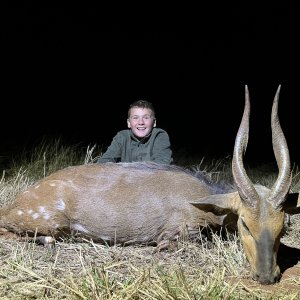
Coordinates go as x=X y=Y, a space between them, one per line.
x=125 y=147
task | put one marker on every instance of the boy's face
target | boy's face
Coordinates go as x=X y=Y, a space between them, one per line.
x=141 y=121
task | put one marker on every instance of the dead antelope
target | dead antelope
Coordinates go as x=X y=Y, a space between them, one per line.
x=147 y=203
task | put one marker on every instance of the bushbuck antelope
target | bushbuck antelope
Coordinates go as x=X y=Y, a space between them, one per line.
x=147 y=203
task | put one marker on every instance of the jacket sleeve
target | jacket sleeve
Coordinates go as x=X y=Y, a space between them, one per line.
x=113 y=152
x=162 y=152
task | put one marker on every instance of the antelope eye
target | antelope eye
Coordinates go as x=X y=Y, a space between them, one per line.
x=245 y=227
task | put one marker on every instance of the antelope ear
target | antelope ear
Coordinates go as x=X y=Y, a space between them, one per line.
x=292 y=204
x=219 y=204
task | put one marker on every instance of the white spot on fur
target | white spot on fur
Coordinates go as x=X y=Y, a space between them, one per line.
x=52 y=184
x=44 y=212
x=42 y=209
x=61 y=204
x=20 y=212
x=78 y=227
x=30 y=211
x=35 y=216
x=37 y=186
x=25 y=192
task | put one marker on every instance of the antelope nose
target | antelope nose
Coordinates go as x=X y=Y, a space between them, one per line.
x=267 y=278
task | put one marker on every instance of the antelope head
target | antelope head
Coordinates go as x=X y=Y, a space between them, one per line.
x=260 y=210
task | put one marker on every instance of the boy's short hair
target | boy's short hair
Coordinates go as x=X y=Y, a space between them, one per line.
x=142 y=104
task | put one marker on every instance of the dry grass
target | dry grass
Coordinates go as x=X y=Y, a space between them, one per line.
x=203 y=270
x=206 y=269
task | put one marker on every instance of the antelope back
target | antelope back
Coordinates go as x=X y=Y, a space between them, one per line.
x=115 y=203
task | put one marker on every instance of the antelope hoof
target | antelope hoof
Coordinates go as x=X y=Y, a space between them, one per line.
x=47 y=241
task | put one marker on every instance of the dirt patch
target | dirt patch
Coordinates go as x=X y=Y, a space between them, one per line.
x=289 y=263
x=290 y=281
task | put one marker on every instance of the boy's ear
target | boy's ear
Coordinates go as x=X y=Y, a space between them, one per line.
x=128 y=124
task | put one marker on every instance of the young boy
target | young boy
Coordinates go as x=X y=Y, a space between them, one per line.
x=142 y=141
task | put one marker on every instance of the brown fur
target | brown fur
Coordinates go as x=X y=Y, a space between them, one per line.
x=113 y=203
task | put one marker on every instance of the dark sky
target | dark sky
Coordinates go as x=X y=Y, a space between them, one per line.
x=71 y=72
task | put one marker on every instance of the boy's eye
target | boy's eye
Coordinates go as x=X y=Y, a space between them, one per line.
x=145 y=117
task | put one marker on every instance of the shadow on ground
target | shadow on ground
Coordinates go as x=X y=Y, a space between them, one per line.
x=287 y=257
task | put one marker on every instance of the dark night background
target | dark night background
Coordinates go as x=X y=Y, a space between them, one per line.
x=71 y=71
